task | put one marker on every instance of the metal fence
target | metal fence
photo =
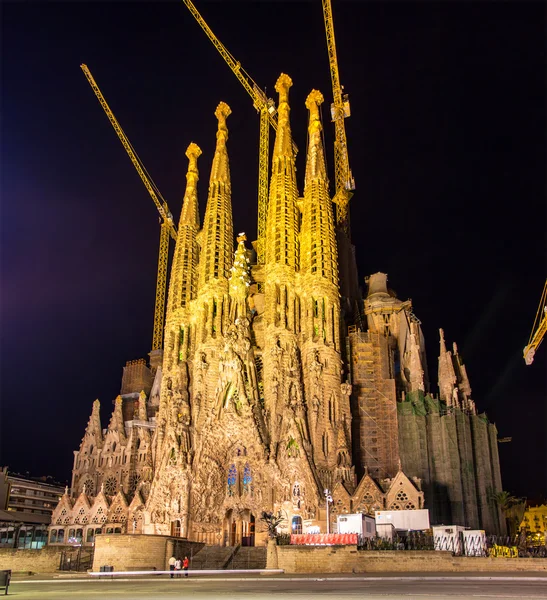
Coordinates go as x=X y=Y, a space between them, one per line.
x=459 y=545
x=76 y=559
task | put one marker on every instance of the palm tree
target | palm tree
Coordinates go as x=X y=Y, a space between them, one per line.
x=513 y=509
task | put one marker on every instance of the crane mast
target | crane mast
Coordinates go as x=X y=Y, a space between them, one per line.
x=167 y=225
x=268 y=116
x=344 y=181
x=538 y=330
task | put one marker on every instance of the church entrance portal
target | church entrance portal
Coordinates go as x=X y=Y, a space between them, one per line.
x=239 y=528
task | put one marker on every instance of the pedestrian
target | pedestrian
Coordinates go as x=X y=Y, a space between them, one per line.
x=178 y=566
x=185 y=565
x=172 y=562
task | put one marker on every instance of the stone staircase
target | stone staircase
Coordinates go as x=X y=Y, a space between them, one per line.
x=213 y=557
x=229 y=557
x=249 y=557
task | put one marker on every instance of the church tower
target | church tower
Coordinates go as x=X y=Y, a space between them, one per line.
x=328 y=408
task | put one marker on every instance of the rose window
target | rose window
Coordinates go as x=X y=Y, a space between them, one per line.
x=134 y=480
x=110 y=486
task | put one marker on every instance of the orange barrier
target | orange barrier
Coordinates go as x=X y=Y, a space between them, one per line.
x=324 y=539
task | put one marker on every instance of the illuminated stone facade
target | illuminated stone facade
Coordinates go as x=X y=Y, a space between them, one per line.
x=265 y=397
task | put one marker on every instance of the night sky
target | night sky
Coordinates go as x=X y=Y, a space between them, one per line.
x=447 y=143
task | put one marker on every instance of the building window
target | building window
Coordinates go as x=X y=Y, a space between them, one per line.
x=247 y=479
x=296 y=525
x=232 y=479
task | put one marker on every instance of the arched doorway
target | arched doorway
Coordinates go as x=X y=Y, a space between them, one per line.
x=239 y=528
x=248 y=531
x=175 y=528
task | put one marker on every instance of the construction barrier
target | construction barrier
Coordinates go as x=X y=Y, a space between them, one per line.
x=324 y=539
x=504 y=551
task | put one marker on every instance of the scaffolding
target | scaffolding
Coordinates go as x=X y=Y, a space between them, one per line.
x=375 y=408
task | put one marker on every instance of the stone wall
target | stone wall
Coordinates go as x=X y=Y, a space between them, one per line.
x=132 y=552
x=347 y=559
x=45 y=560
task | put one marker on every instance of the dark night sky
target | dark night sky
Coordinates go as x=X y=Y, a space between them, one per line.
x=447 y=144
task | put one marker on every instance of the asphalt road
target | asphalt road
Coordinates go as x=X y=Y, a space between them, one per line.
x=291 y=588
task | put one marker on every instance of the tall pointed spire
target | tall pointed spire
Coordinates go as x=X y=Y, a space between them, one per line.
x=319 y=254
x=315 y=163
x=282 y=246
x=94 y=428
x=116 y=421
x=416 y=369
x=218 y=232
x=447 y=376
x=463 y=380
x=182 y=286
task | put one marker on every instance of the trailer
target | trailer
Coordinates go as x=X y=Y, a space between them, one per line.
x=404 y=520
x=357 y=523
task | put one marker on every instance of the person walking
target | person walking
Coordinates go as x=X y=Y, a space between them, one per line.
x=185 y=565
x=178 y=566
x=172 y=562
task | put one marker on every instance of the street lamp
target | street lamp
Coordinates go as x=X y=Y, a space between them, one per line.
x=328 y=500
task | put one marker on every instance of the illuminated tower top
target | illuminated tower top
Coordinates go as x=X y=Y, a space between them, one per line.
x=217 y=237
x=319 y=255
x=282 y=222
x=182 y=287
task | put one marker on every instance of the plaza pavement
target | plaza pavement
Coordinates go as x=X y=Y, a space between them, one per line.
x=385 y=586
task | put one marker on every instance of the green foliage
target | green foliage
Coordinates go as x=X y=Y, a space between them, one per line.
x=272 y=520
x=513 y=508
x=293 y=449
x=283 y=539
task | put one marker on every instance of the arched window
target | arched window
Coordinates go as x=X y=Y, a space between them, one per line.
x=114 y=447
x=53 y=536
x=247 y=479
x=232 y=479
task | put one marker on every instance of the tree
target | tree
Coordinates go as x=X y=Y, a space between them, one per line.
x=513 y=509
x=272 y=520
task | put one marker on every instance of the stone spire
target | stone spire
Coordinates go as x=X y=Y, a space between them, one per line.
x=94 y=428
x=282 y=219
x=315 y=162
x=447 y=376
x=463 y=380
x=416 y=369
x=182 y=286
x=239 y=280
x=318 y=241
x=141 y=411
x=116 y=421
x=217 y=237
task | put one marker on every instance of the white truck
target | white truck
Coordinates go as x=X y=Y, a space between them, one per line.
x=404 y=520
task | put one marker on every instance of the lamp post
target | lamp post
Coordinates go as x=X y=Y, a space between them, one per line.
x=328 y=500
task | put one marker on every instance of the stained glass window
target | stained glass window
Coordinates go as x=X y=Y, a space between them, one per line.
x=247 y=479
x=232 y=478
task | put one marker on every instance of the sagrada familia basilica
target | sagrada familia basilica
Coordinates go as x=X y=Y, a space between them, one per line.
x=277 y=382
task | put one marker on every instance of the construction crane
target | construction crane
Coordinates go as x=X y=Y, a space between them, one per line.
x=340 y=109
x=268 y=115
x=538 y=330
x=167 y=227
